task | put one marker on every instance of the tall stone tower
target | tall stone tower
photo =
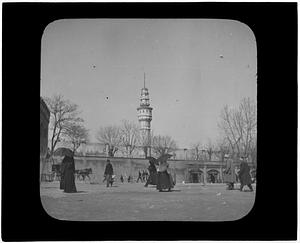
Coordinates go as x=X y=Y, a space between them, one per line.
x=145 y=117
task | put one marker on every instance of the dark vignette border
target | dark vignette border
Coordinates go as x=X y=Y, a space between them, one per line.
x=275 y=211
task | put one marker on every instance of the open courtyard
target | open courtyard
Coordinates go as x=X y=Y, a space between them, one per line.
x=134 y=202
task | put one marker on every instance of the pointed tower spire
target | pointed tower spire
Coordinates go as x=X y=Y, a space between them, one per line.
x=144 y=80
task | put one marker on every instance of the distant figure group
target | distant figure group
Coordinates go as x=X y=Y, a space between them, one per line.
x=232 y=175
x=142 y=176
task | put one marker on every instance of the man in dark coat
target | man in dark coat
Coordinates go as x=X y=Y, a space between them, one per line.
x=229 y=174
x=244 y=174
x=109 y=171
x=69 y=178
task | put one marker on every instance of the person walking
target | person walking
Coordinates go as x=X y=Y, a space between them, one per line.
x=139 y=177
x=244 y=174
x=109 y=171
x=121 y=178
x=229 y=174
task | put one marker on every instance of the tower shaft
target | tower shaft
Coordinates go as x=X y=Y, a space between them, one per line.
x=145 y=115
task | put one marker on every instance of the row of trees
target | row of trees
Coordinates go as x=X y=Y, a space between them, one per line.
x=67 y=126
x=128 y=138
x=238 y=133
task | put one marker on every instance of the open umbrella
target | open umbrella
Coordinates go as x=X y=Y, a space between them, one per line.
x=164 y=157
x=62 y=151
x=152 y=160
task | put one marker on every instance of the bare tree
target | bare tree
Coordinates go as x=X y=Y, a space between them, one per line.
x=196 y=148
x=238 y=127
x=145 y=141
x=63 y=115
x=76 y=134
x=129 y=136
x=253 y=152
x=222 y=148
x=209 y=149
x=163 y=145
x=110 y=136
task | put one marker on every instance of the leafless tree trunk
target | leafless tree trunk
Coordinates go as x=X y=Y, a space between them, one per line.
x=145 y=141
x=210 y=149
x=196 y=150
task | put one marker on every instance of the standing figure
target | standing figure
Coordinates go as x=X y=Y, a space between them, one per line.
x=147 y=175
x=236 y=170
x=69 y=178
x=121 y=178
x=229 y=174
x=139 y=177
x=152 y=179
x=143 y=176
x=109 y=171
x=244 y=174
x=164 y=180
x=62 y=173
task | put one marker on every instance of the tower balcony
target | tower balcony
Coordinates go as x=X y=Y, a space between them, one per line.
x=144 y=107
x=146 y=118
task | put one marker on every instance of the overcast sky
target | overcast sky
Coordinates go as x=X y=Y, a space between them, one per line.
x=193 y=68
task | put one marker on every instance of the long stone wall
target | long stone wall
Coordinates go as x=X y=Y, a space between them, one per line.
x=131 y=166
x=185 y=170
x=125 y=166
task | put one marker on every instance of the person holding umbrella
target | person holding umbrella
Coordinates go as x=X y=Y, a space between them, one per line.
x=67 y=169
x=164 y=179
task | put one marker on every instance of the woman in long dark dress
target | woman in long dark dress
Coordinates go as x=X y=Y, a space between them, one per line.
x=164 y=179
x=152 y=179
x=244 y=174
x=69 y=178
x=62 y=173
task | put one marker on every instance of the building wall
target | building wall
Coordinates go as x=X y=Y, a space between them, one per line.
x=131 y=166
x=44 y=122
